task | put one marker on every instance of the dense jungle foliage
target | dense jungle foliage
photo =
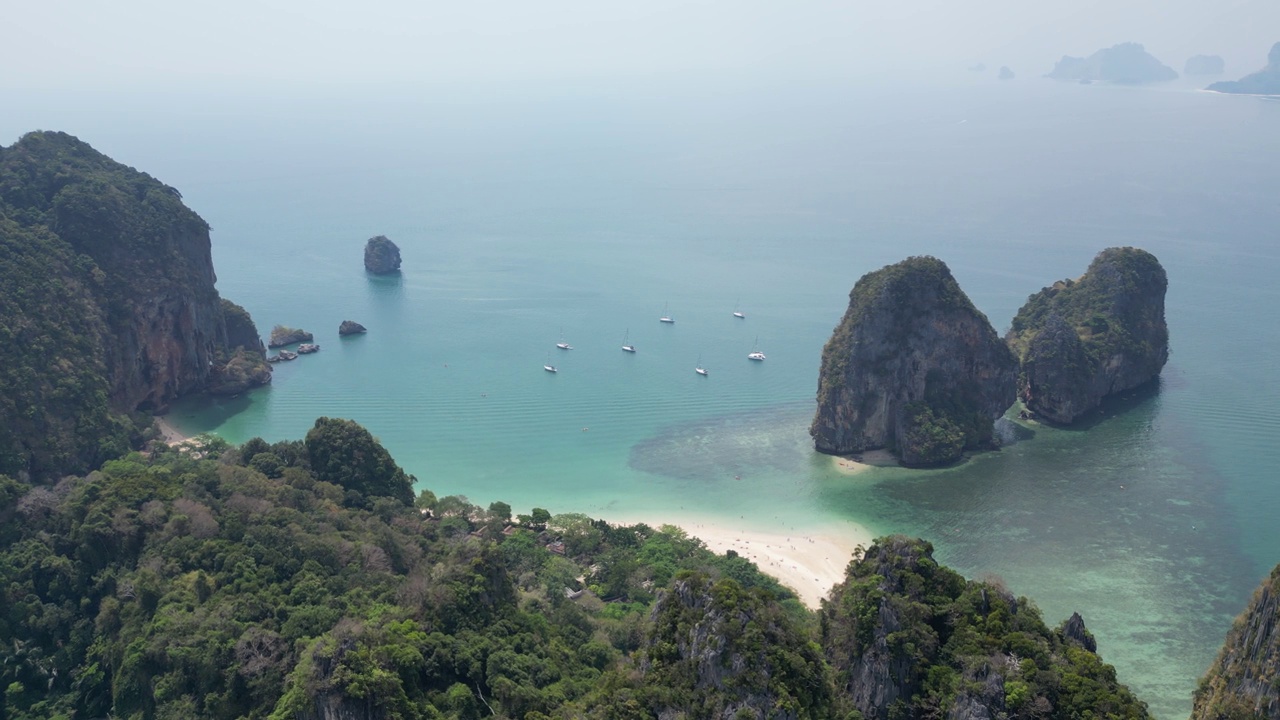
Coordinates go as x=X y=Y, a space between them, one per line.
x=257 y=582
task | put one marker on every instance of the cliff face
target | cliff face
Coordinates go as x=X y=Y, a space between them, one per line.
x=1124 y=64
x=1244 y=682
x=912 y=366
x=122 y=248
x=726 y=652
x=1081 y=341
x=908 y=637
x=1264 y=82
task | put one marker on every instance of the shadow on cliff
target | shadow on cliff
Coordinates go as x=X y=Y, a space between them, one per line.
x=1113 y=406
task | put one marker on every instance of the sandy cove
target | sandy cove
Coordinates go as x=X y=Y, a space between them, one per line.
x=810 y=563
x=169 y=434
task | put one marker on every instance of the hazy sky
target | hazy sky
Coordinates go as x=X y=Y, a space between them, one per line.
x=140 y=44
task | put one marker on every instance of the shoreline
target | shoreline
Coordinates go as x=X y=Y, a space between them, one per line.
x=169 y=434
x=810 y=562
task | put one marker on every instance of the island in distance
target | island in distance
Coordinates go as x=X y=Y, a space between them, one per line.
x=1204 y=65
x=1123 y=64
x=1264 y=82
x=381 y=256
x=351 y=327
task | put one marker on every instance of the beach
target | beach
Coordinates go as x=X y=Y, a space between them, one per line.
x=170 y=434
x=809 y=562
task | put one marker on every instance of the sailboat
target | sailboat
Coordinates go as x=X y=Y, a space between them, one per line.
x=626 y=346
x=562 y=344
x=699 y=369
x=665 y=317
x=738 y=313
x=755 y=353
x=549 y=367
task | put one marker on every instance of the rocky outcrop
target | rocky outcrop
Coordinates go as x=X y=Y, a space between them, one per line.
x=727 y=653
x=1204 y=65
x=909 y=638
x=1073 y=629
x=381 y=256
x=913 y=366
x=282 y=336
x=1123 y=64
x=351 y=327
x=1244 y=682
x=1264 y=82
x=108 y=279
x=1081 y=341
x=244 y=370
x=241 y=330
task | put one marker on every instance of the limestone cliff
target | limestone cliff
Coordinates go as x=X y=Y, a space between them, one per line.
x=109 y=304
x=381 y=256
x=914 y=367
x=1244 y=682
x=1123 y=64
x=909 y=638
x=1081 y=341
x=1264 y=82
x=726 y=652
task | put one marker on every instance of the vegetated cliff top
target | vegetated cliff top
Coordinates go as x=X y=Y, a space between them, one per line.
x=1125 y=64
x=107 y=304
x=1244 y=681
x=908 y=637
x=1117 y=305
x=1264 y=82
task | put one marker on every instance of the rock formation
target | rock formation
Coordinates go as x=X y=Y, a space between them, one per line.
x=1006 y=73
x=282 y=336
x=907 y=637
x=914 y=367
x=732 y=653
x=1204 y=65
x=381 y=256
x=1244 y=682
x=1124 y=64
x=1081 y=341
x=107 y=280
x=1264 y=82
x=351 y=327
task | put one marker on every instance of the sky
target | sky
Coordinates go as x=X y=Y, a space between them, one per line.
x=150 y=45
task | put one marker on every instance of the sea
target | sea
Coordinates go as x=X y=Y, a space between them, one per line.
x=528 y=216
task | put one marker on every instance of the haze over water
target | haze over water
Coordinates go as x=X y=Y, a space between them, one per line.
x=590 y=211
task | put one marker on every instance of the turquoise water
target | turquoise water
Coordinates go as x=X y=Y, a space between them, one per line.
x=589 y=211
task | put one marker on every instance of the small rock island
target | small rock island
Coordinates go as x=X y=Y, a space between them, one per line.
x=1123 y=64
x=1264 y=82
x=1080 y=341
x=1204 y=65
x=913 y=367
x=282 y=336
x=351 y=327
x=381 y=256
x=1006 y=73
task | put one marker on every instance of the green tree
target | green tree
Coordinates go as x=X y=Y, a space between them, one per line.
x=342 y=452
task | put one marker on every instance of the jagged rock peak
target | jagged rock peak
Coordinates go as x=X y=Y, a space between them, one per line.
x=1080 y=341
x=351 y=327
x=1264 y=82
x=1074 y=629
x=381 y=256
x=913 y=366
x=1125 y=64
x=1244 y=681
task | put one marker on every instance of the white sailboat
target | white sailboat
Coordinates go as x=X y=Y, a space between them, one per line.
x=626 y=346
x=665 y=317
x=562 y=344
x=755 y=353
x=699 y=369
x=738 y=313
x=549 y=367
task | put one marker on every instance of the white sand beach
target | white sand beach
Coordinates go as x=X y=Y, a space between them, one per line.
x=170 y=434
x=809 y=562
